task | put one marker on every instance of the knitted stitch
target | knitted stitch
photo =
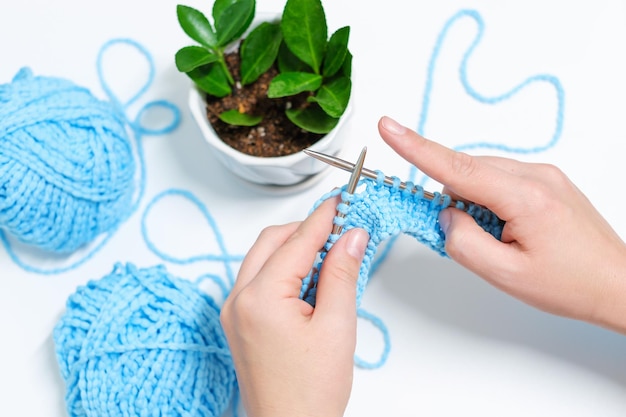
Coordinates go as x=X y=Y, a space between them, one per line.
x=386 y=211
x=140 y=342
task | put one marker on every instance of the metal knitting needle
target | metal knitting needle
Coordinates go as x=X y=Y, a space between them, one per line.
x=349 y=166
x=351 y=187
x=356 y=169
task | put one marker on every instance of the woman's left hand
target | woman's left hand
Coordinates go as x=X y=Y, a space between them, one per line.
x=292 y=359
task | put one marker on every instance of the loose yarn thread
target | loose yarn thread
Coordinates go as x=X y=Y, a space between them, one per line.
x=549 y=79
x=67 y=164
x=142 y=342
x=224 y=256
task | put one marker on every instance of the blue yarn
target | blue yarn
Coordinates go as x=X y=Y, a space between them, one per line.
x=116 y=334
x=67 y=163
x=224 y=257
x=492 y=100
x=141 y=342
x=385 y=212
x=378 y=323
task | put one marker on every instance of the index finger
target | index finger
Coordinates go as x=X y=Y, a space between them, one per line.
x=291 y=262
x=268 y=241
x=470 y=177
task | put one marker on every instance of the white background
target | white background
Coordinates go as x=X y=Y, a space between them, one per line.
x=458 y=346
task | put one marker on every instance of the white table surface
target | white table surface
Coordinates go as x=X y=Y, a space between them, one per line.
x=459 y=346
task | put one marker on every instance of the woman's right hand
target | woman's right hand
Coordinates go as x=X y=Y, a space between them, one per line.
x=557 y=252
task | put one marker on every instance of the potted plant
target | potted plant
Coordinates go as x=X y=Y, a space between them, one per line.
x=266 y=87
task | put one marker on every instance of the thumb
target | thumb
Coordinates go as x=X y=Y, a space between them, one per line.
x=336 y=288
x=469 y=245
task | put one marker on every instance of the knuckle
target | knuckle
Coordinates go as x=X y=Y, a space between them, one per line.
x=296 y=235
x=275 y=234
x=345 y=271
x=553 y=175
x=225 y=317
x=239 y=309
x=270 y=232
x=245 y=302
x=544 y=195
x=463 y=164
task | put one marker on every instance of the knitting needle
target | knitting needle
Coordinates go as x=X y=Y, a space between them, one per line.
x=349 y=166
x=357 y=170
x=351 y=187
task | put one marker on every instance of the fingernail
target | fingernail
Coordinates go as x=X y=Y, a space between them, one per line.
x=392 y=126
x=444 y=220
x=357 y=243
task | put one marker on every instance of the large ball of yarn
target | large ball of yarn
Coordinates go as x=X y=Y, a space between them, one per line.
x=140 y=342
x=66 y=163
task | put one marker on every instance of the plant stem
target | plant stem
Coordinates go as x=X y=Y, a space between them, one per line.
x=222 y=62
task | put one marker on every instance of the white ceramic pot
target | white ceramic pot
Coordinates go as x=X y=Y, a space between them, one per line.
x=279 y=171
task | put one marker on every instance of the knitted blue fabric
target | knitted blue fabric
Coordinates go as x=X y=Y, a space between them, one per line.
x=140 y=342
x=386 y=211
x=66 y=164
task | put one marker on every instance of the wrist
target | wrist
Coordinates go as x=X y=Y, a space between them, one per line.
x=610 y=311
x=283 y=412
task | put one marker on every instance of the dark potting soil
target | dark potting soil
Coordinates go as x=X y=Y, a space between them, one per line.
x=276 y=135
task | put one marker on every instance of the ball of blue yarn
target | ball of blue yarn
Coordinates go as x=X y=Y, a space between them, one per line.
x=66 y=163
x=141 y=342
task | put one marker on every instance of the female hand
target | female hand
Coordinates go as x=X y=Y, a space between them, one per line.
x=292 y=359
x=557 y=252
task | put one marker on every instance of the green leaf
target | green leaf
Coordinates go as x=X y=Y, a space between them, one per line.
x=334 y=96
x=233 y=117
x=233 y=21
x=346 y=68
x=336 y=52
x=219 y=6
x=191 y=57
x=259 y=51
x=196 y=25
x=305 y=31
x=312 y=119
x=291 y=83
x=211 y=79
x=288 y=62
